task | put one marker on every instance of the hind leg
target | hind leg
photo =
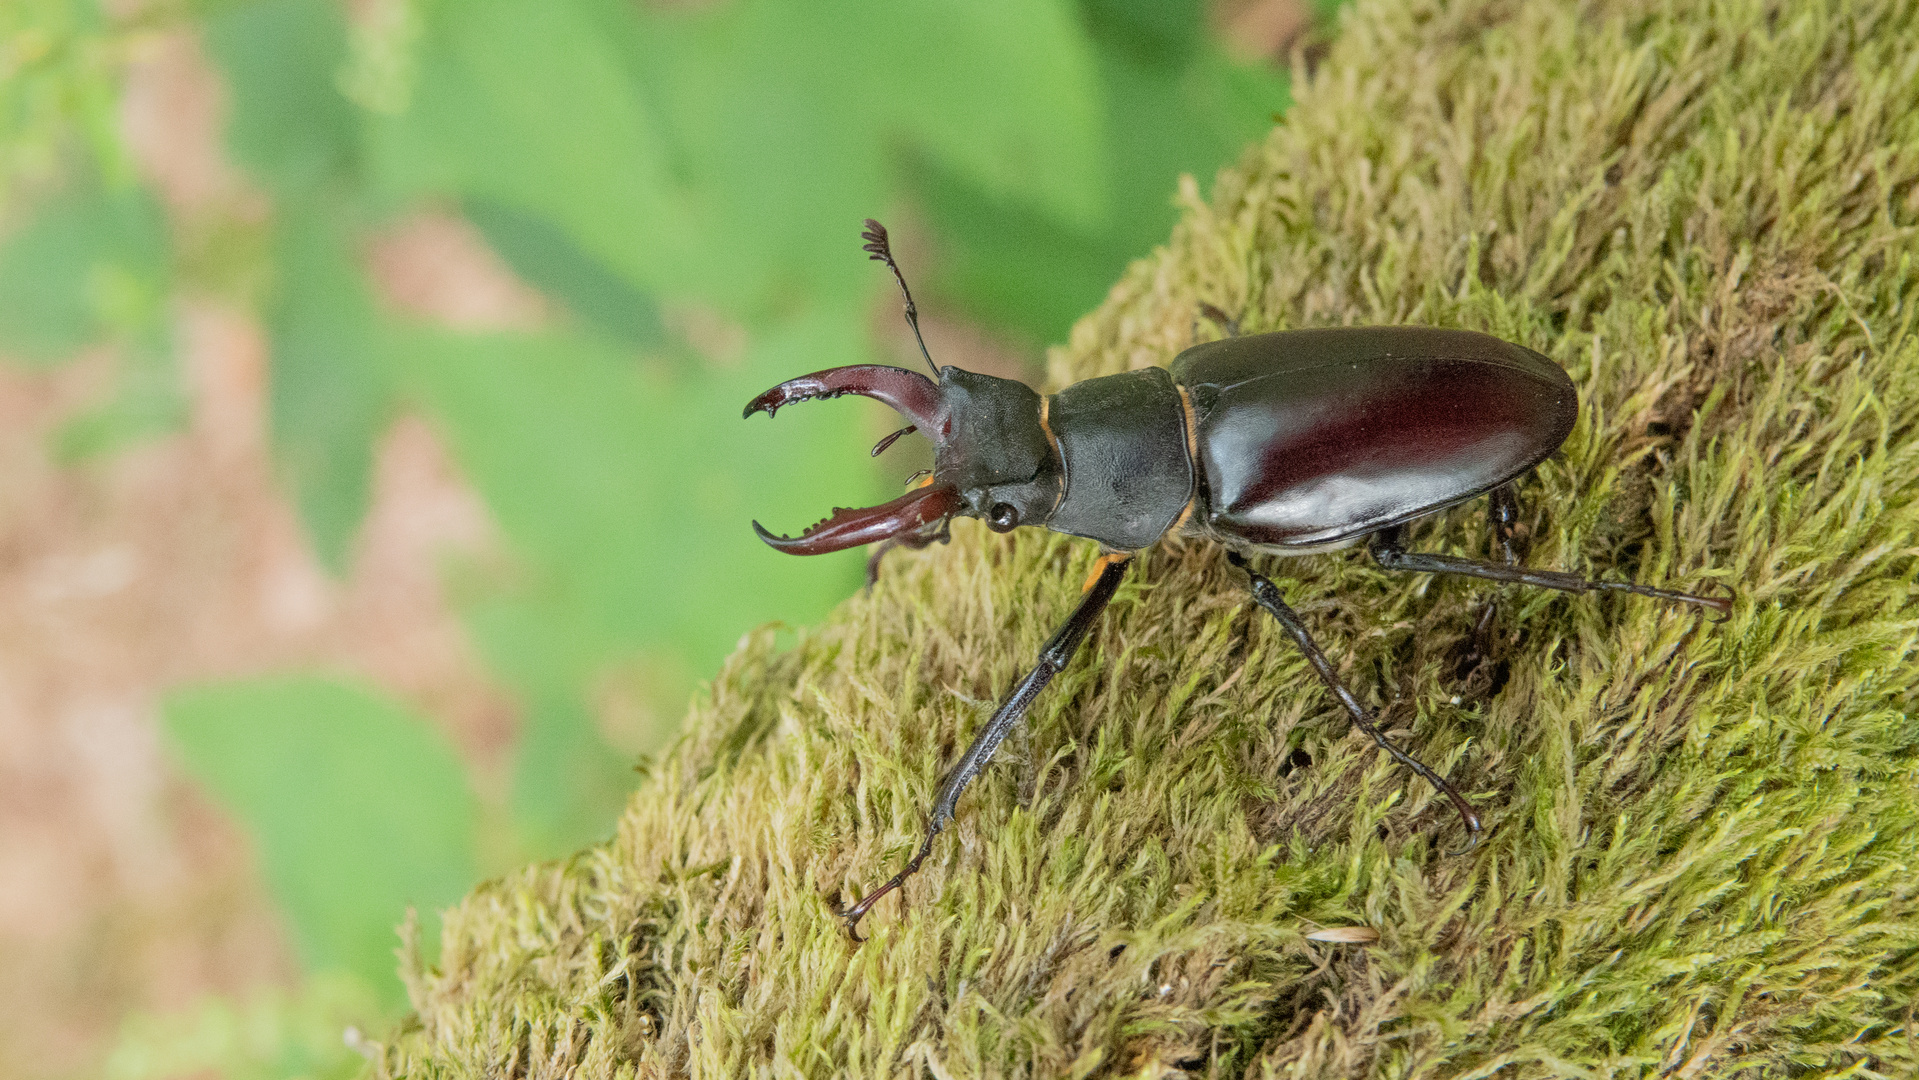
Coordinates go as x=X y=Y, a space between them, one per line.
x=1391 y=554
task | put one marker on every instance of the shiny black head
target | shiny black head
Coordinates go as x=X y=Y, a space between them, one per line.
x=996 y=451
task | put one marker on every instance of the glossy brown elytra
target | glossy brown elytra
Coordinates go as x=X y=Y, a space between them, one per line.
x=1283 y=444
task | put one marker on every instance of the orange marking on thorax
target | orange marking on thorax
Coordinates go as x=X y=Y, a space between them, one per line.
x=1045 y=425
x=1185 y=515
x=1192 y=455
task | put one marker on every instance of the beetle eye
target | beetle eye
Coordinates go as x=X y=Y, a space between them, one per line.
x=1003 y=517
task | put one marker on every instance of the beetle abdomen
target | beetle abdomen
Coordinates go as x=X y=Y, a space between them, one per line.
x=1310 y=438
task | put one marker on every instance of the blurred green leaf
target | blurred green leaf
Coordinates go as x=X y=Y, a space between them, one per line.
x=381 y=50
x=1173 y=103
x=291 y=125
x=1009 y=263
x=62 y=62
x=332 y=377
x=527 y=104
x=1326 y=12
x=549 y=260
x=359 y=809
x=288 y=122
x=1187 y=110
x=91 y=264
x=768 y=136
x=147 y=400
x=1004 y=92
x=729 y=153
x=568 y=785
x=93 y=267
x=1146 y=33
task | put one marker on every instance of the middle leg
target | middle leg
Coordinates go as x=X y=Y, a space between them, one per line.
x=1504 y=514
x=1266 y=595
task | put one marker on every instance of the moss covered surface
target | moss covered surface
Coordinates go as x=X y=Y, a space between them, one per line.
x=1701 y=848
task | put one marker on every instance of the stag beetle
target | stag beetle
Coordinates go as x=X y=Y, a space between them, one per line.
x=1284 y=443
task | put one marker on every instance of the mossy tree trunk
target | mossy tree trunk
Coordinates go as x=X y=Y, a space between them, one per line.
x=1701 y=848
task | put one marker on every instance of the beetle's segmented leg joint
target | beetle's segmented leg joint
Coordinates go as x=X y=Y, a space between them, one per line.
x=1110 y=558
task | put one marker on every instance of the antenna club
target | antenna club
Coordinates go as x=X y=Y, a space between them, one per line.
x=880 y=249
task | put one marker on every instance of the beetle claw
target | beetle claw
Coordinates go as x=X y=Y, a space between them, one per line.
x=1722 y=605
x=1473 y=829
x=913 y=395
x=853 y=527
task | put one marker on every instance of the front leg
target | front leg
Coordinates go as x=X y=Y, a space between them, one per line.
x=1052 y=660
x=1266 y=595
x=940 y=531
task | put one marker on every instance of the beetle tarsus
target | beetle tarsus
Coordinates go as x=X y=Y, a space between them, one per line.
x=1504 y=517
x=1725 y=603
x=858 y=911
x=881 y=446
x=1267 y=596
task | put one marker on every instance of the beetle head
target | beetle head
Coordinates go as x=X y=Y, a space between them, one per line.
x=992 y=458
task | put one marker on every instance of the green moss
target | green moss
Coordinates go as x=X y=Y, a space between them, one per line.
x=1701 y=836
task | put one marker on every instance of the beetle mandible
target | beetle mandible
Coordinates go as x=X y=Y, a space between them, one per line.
x=1284 y=443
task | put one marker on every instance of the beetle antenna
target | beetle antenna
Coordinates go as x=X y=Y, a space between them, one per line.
x=880 y=250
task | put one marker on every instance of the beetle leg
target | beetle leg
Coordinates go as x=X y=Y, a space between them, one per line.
x=1266 y=595
x=1052 y=660
x=911 y=541
x=1226 y=322
x=1390 y=553
x=1504 y=514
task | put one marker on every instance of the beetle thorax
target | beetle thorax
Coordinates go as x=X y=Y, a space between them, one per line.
x=1128 y=475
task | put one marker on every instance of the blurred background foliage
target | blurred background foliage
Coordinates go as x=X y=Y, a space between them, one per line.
x=683 y=181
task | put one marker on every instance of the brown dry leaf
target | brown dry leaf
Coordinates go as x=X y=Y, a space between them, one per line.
x=1353 y=935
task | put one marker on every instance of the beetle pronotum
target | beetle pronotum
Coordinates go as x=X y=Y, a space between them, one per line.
x=1286 y=443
